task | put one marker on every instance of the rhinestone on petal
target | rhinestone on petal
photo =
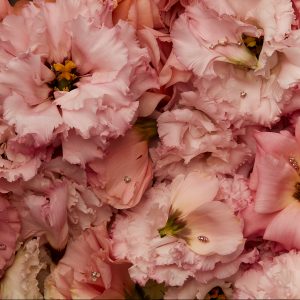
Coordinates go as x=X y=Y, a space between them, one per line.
x=239 y=43
x=95 y=275
x=2 y=246
x=243 y=94
x=294 y=163
x=203 y=239
x=212 y=46
x=127 y=179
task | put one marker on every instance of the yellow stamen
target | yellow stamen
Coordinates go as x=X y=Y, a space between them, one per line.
x=65 y=70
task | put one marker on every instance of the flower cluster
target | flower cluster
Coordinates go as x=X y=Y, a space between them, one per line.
x=149 y=149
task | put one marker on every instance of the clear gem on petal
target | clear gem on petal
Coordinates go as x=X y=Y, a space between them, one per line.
x=203 y=239
x=95 y=275
x=127 y=179
x=293 y=162
x=243 y=94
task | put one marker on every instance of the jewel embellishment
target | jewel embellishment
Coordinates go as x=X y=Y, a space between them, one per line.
x=95 y=275
x=127 y=179
x=203 y=239
x=243 y=94
x=294 y=163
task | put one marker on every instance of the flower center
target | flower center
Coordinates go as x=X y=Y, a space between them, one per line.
x=147 y=128
x=215 y=294
x=254 y=44
x=65 y=76
x=174 y=225
x=293 y=162
x=296 y=194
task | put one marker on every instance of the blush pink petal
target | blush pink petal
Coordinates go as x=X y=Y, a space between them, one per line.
x=283 y=228
x=27 y=76
x=276 y=183
x=192 y=191
x=277 y=144
x=215 y=221
x=255 y=224
x=148 y=102
x=90 y=252
x=189 y=52
x=72 y=149
x=98 y=50
x=46 y=215
x=143 y=13
x=289 y=72
x=39 y=121
x=109 y=181
x=201 y=27
x=9 y=233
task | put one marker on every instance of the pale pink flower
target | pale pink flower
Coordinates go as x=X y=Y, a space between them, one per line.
x=65 y=76
x=20 y=158
x=122 y=176
x=217 y=29
x=87 y=271
x=277 y=278
x=20 y=280
x=235 y=192
x=275 y=179
x=9 y=233
x=57 y=203
x=215 y=39
x=45 y=214
x=238 y=97
x=191 y=133
x=168 y=163
x=181 y=253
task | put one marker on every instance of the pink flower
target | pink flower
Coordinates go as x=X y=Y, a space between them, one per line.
x=275 y=179
x=273 y=279
x=45 y=215
x=87 y=271
x=235 y=192
x=121 y=178
x=191 y=236
x=20 y=158
x=215 y=39
x=9 y=233
x=20 y=280
x=219 y=32
x=65 y=76
x=57 y=203
x=191 y=133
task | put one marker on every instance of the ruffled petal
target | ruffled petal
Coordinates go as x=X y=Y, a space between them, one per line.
x=40 y=120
